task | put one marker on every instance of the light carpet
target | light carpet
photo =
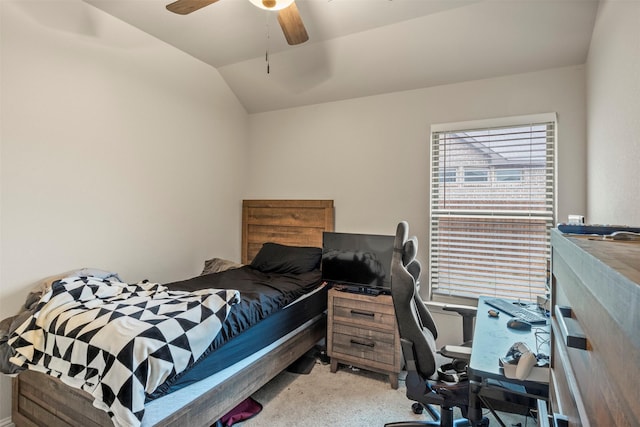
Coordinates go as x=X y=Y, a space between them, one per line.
x=350 y=397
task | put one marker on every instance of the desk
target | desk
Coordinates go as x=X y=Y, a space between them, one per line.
x=489 y=387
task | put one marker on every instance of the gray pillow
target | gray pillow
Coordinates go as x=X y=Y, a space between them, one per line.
x=216 y=265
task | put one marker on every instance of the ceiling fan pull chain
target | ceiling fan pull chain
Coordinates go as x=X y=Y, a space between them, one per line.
x=266 y=56
x=267 y=59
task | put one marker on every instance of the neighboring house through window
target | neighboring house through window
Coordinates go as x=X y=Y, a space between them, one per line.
x=492 y=206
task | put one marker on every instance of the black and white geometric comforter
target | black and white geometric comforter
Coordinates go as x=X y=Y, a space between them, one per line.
x=119 y=341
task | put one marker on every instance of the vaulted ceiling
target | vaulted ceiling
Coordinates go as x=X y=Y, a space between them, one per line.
x=365 y=47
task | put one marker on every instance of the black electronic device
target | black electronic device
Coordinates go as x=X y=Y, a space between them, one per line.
x=598 y=229
x=519 y=324
x=358 y=263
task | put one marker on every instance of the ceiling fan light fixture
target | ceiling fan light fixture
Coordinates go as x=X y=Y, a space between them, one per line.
x=272 y=4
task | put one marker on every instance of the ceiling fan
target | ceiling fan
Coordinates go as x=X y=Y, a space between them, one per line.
x=288 y=16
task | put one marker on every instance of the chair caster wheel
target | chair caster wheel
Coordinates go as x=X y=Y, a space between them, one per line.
x=417 y=408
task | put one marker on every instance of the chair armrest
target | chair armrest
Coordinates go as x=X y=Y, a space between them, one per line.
x=456 y=352
x=468 y=313
x=462 y=310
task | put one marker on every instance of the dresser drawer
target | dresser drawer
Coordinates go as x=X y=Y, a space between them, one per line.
x=564 y=394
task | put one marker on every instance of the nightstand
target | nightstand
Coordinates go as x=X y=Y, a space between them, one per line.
x=362 y=331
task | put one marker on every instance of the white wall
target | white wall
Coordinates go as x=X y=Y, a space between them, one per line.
x=614 y=115
x=117 y=152
x=371 y=155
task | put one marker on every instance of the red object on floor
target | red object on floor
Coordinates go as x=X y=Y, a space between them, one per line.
x=246 y=409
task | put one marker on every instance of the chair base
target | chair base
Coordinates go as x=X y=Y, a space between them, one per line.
x=461 y=422
x=457 y=423
x=443 y=419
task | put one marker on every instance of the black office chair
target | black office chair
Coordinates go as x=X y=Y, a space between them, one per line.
x=418 y=333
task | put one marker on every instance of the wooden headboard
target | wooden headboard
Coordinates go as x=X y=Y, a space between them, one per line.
x=288 y=222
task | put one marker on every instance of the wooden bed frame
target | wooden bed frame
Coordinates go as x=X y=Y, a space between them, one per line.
x=39 y=399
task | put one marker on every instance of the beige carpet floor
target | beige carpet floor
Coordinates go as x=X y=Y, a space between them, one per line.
x=349 y=397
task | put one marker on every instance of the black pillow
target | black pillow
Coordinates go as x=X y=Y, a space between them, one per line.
x=276 y=258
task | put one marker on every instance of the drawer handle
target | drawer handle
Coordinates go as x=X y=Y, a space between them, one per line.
x=363 y=313
x=571 y=330
x=366 y=344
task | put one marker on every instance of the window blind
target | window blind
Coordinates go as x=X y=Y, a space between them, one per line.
x=492 y=206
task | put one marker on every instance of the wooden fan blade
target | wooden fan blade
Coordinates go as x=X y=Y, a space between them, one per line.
x=292 y=25
x=184 y=7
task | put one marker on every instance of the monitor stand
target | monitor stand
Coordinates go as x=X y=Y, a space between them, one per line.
x=364 y=290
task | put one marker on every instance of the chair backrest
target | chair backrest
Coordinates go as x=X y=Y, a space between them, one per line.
x=415 y=323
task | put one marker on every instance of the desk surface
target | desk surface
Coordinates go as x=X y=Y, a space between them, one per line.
x=492 y=340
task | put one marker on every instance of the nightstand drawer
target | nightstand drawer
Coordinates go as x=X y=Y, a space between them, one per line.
x=364 y=348
x=365 y=334
x=367 y=314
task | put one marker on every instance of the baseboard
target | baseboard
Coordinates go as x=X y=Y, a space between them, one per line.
x=7 y=423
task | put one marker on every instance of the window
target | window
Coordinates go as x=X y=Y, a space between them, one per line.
x=448 y=175
x=505 y=175
x=490 y=231
x=476 y=175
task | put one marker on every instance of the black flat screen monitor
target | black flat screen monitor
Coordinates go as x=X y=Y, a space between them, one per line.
x=360 y=262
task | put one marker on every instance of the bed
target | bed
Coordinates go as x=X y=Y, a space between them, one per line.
x=203 y=398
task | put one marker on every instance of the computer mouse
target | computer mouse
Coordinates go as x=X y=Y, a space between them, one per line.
x=519 y=324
